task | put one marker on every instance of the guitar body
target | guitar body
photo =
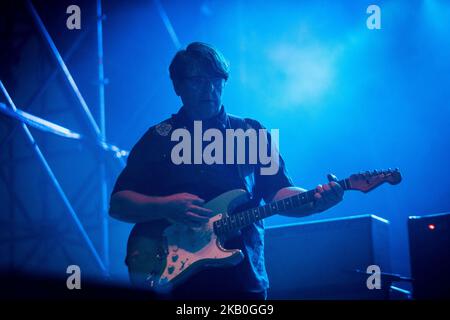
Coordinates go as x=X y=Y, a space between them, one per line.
x=161 y=255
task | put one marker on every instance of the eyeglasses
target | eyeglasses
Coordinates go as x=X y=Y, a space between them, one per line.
x=201 y=81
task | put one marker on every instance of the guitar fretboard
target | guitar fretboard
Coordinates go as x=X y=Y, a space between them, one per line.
x=245 y=218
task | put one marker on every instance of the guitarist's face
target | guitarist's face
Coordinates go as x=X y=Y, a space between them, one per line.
x=201 y=91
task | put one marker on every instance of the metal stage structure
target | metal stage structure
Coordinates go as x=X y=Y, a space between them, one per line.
x=28 y=241
x=24 y=228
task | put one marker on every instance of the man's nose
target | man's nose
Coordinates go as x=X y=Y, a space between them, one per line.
x=209 y=86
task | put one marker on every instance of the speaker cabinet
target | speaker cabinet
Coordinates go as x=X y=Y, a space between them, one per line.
x=429 y=249
x=318 y=260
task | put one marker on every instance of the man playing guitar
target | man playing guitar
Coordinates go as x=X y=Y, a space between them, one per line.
x=154 y=193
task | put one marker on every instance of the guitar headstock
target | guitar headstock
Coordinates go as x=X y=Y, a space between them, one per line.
x=369 y=180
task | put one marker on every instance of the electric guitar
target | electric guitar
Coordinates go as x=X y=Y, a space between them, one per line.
x=162 y=255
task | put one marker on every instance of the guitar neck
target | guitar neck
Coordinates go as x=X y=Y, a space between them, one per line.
x=245 y=218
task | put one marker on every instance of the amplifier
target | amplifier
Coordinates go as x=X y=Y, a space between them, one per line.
x=320 y=259
x=429 y=250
